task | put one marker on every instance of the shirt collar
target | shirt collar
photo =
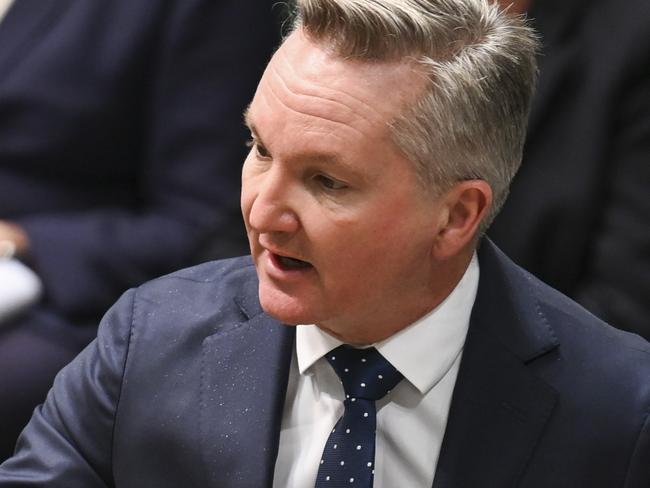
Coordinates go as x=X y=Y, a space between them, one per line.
x=434 y=340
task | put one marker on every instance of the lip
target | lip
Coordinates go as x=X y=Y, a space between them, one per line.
x=275 y=251
x=275 y=269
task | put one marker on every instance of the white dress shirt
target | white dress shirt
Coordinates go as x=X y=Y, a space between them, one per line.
x=4 y=8
x=411 y=419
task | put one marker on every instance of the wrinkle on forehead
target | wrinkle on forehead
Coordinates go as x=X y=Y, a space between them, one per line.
x=312 y=86
x=332 y=111
x=309 y=79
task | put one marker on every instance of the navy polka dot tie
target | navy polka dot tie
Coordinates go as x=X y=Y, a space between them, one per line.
x=349 y=455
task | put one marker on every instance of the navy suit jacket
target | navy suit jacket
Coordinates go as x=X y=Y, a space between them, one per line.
x=121 y=139
x=185 y=386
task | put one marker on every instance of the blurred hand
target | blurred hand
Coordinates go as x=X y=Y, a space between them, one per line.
x=13 y=239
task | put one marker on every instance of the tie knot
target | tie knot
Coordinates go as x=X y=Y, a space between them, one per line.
x=364 y=372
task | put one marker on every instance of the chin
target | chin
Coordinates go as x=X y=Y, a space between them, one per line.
x=290 y=310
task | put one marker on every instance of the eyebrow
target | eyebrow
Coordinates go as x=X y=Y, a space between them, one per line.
x=251 y=127
x=247 y=116
x=248 y=122
x=319 y=158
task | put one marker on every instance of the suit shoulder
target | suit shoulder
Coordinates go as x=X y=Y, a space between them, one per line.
x=211 y=273
x=613 y=363
x=222 y=290
x=544 y=316
x=571 y=320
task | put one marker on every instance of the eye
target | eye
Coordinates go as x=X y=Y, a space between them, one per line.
x=329 y=183
x=260 y=151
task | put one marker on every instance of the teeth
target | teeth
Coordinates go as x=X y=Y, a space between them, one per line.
x=292 y=263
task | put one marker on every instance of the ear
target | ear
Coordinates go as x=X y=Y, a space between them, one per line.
x=465 y=206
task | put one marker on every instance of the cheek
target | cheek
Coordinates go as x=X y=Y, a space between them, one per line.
x=355 y=249
x=247 y=195
x=384 y=227
x=380 y=245
x=245 y=203
x=358 y=236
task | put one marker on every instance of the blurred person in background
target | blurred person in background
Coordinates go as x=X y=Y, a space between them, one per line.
x=578 y=214
x=120 y=157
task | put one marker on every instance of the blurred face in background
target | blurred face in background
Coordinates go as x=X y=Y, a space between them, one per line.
x=515 y=6
x=340 y=229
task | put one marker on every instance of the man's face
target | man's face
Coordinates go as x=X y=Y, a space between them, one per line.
x=339 y=227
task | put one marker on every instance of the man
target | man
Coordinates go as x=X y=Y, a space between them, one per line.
x=384 y=137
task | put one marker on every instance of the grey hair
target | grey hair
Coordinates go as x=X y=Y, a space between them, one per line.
x=470 y=121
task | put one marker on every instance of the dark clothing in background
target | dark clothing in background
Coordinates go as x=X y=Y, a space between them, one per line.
x=186 y=383
x=578 y=215
x=121 y=146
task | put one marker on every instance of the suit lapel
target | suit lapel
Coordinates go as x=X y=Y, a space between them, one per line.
x=23 y=27
x=244 y=378
x=499 y=406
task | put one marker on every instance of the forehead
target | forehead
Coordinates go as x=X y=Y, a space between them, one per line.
x=306 y=78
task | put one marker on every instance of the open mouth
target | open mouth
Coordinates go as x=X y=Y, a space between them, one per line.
x=291 y=263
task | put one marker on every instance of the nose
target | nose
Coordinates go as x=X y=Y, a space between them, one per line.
x=271 y=208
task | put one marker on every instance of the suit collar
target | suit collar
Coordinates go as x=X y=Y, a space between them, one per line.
x=245 y=370
x=507 y=307
x=499 y=406
x=24 y=26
